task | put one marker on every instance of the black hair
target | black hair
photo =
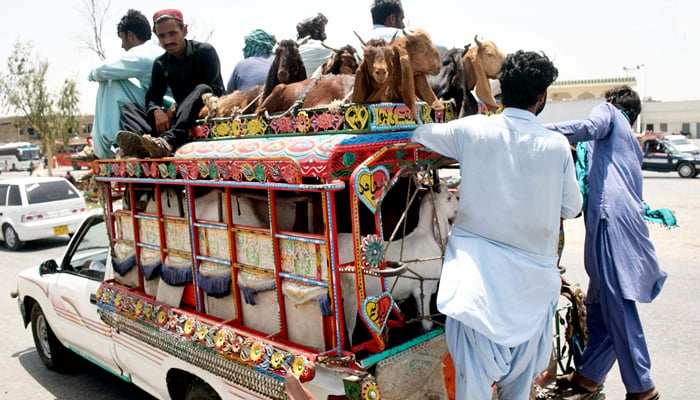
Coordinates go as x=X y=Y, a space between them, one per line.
x=524 y=76
x=314 y=27
x=626 y=100
x=134 y=21
x=382 y=9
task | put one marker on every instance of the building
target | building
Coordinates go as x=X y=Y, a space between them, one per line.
x=13 y=131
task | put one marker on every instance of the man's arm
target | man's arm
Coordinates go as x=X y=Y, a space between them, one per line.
x=596 y=126
x=155 y=93
x=572 y=200
x=210 y=66
x=128 y=65
x=439 y=138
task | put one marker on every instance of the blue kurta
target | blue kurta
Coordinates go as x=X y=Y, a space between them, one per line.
x=615 y=196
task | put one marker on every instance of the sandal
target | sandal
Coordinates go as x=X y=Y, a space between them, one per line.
x=569 y=389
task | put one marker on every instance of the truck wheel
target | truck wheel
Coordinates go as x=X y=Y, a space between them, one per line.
x=198 y=390
x=51 y=352
x=11 y=239
x=686 y=170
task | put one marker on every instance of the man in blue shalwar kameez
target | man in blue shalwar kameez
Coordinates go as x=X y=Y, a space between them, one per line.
x=122 y=79
x=619 y=257
x=500 y=285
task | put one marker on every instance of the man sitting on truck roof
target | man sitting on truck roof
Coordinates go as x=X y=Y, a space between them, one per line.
x=190 y=69
x=116 y=85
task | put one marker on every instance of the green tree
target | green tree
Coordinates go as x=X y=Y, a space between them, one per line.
x=23 y=91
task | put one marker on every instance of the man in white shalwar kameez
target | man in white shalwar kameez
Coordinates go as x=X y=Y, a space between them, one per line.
x=500 y=284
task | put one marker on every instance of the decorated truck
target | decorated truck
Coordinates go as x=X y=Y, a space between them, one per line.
x=305 y=245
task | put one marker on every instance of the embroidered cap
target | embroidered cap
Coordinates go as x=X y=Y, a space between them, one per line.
x=167 y=13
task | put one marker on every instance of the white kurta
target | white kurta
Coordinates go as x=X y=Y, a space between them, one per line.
x=499 y=275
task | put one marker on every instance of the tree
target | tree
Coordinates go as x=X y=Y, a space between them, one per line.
x=23 y=90
x=95 y=12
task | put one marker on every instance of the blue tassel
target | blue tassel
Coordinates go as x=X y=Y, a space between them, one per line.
x=176 y=276
x=150 y=271
x=325 y=303
x=249 y=293
x=125 y=265
x=215 y=285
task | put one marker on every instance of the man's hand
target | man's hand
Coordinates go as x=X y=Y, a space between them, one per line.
x=162 y=121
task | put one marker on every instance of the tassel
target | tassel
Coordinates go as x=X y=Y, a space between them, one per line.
x=125 y=265
x=176 y=275
x=215 y=285
x=325 y=303
x=150 y=271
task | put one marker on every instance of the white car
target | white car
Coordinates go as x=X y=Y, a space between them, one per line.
x=38 y=207
x=682 y=144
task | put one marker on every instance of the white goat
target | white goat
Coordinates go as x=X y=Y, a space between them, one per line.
x=426 y=241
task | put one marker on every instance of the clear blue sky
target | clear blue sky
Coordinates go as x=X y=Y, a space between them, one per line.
x=586 y=40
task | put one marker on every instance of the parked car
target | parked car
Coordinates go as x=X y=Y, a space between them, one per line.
x=682 y=144
x=663 y=156
x=38 y=207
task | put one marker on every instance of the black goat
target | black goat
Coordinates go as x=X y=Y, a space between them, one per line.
x=287 y=67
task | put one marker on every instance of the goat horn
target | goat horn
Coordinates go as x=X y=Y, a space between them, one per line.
x=394 y=37
x=303 y=40
x=330 y=48
x=476 y=39
x=361 y=41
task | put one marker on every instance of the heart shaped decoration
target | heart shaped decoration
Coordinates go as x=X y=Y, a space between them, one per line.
x=369 y=185
x=356 y=117
x=375 y=311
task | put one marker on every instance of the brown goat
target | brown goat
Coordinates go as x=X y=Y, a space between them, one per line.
x=373 y=76
x=482 y=63
x=235 y=103
x=309 y=93
x=415 y=57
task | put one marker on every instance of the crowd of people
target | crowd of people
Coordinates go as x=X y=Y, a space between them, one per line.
x=500 y=283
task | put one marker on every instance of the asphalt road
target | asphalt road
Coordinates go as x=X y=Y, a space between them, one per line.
x=671 y=322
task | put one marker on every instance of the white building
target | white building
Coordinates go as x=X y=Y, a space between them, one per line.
x=574 y=99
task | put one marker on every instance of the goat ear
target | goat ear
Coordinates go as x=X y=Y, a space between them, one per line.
x=360 y=89
x=483 y=86
x=403 y=82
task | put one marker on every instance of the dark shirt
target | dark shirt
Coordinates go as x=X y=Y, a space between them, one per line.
x=199 y=65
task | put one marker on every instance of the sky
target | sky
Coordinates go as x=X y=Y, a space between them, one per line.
x=656 y=42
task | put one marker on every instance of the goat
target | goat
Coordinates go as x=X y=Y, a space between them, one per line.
x=449 y=84
x=309 y=93
x=482 y=63
x=426 y=241
x=415 y=57
x=236 y=103
x=343 y=61
x=286 y=67
x=373 y=76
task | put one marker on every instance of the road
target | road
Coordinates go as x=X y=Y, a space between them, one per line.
x=671 y=322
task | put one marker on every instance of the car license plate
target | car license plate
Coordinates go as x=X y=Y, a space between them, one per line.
x=60 y=230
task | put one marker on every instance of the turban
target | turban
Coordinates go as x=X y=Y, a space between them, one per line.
x=258 y=42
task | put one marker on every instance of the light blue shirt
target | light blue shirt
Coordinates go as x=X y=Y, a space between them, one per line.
x=122 y=79
x=499 y=275
x=313 y=54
